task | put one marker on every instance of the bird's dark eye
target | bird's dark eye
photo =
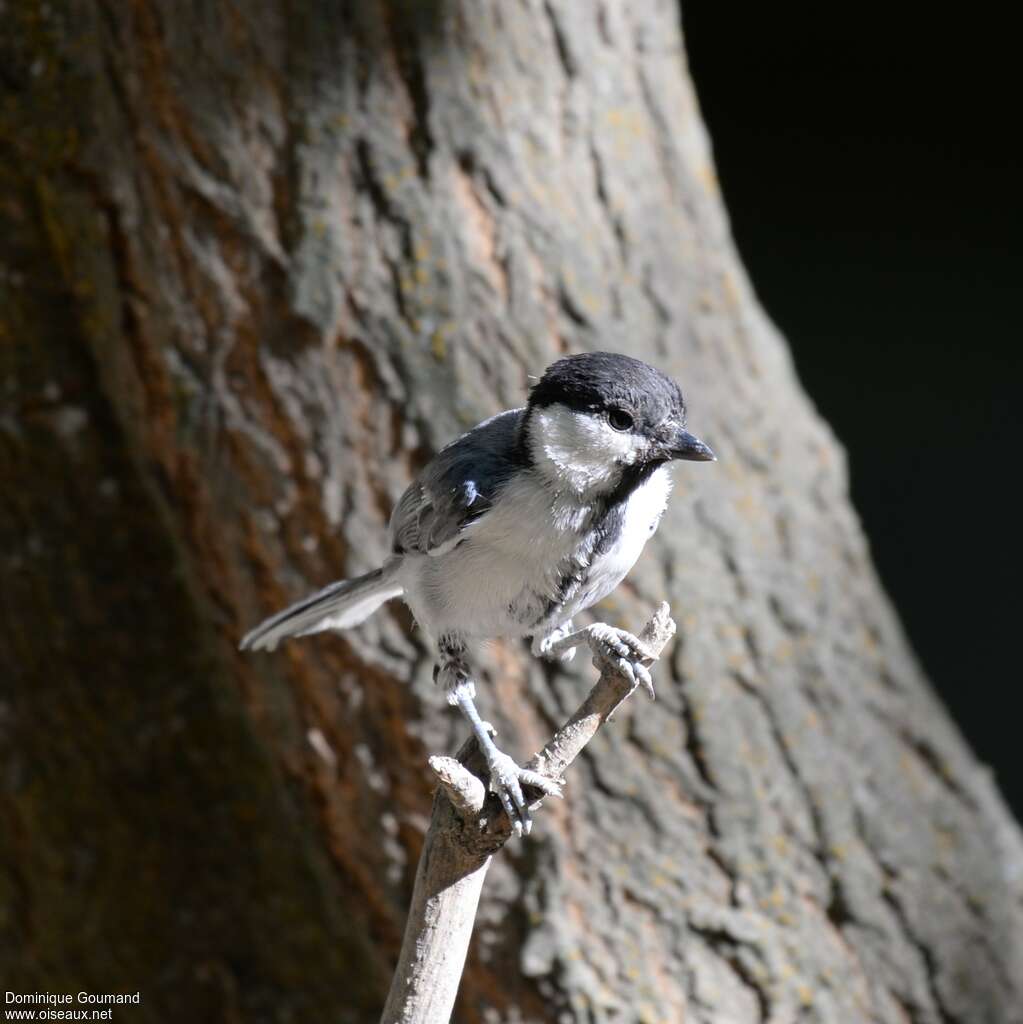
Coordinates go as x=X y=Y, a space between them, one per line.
x=619 y=419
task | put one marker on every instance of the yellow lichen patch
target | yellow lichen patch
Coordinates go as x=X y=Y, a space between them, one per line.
x=438 y=345
x=737 y=660
x=946 y=838
x=748 y=506
x=730 y=289
x=735 y=470
x=783 y=651
x=393 y=181
x=626 y=123
x=868 y=640
x=646 y=1014
x=707 y=176
x=60 y=245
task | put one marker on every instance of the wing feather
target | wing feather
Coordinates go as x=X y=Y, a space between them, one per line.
x=458 y=487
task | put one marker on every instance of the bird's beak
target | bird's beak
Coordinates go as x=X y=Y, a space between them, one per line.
x=687 y=446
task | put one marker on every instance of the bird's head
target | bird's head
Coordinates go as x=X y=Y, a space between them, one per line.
x=598 y=417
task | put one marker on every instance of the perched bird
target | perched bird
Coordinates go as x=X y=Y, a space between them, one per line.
x=526 y=520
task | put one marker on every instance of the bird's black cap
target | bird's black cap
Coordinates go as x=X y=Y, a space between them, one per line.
x=596 y=381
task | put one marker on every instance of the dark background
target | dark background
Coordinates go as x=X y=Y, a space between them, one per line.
x=869 y=166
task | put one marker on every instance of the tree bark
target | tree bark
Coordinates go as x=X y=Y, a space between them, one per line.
x=258 y=262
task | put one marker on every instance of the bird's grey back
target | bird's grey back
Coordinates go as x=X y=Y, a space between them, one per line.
x=458 y=486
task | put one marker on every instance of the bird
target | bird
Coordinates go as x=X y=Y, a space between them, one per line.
x=513 y=529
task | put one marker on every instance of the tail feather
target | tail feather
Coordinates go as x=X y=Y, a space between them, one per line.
x=338 y=606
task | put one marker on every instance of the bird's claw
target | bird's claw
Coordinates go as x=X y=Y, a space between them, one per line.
x=506 y=781
x=625 y=652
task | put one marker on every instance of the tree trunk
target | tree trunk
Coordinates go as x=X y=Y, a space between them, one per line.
x=261 y=260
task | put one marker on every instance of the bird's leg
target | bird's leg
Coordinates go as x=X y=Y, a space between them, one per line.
x=614 y=646
x=506 y=777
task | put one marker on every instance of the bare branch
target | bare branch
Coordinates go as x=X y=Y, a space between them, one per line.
x=466 y=829
x=465 y=791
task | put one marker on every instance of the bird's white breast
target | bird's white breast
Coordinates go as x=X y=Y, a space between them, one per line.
x=512 y=560
x=512 y=549
x=642 y=512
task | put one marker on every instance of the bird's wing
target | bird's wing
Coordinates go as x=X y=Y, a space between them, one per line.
x=457 y=488
x=432 y=523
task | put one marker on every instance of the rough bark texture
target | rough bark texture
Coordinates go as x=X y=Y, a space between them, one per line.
x=259 y=261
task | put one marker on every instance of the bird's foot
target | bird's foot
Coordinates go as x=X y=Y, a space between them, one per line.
x=550 y=646
x=623 y=651
x=507 y=780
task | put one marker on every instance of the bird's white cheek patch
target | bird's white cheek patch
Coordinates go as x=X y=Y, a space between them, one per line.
x=583 y=447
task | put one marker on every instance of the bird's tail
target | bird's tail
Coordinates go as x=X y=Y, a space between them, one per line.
x=338 y=606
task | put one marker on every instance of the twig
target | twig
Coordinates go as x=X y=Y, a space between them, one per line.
x=466 y=829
